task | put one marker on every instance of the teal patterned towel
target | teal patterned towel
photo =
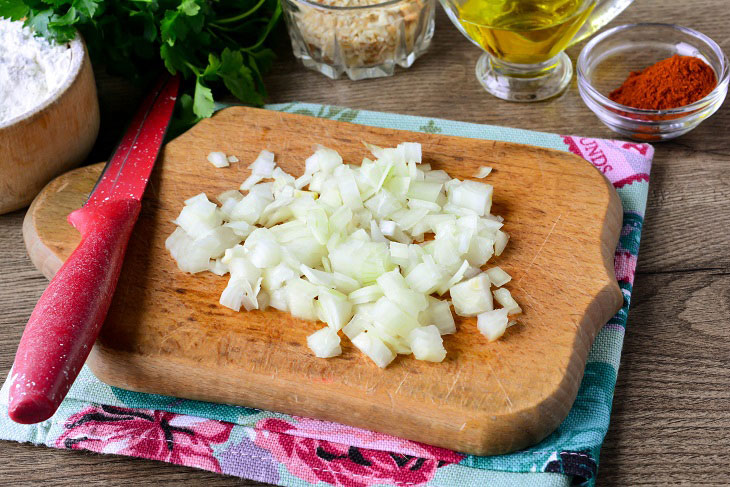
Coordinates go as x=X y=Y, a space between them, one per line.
x=293 y=451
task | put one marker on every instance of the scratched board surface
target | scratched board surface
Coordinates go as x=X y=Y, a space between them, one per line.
x=167 y=334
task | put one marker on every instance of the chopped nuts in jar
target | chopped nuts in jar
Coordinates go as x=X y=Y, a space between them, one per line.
x=347 y=34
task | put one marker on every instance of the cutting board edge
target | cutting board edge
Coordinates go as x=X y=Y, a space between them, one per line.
x=487 y=434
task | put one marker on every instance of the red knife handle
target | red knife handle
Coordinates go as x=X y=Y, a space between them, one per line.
x=67 y=319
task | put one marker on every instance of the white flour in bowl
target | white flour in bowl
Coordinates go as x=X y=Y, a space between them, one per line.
x=32 y=69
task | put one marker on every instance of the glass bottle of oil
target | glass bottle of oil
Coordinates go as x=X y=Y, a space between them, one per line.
x=523 y=31
x=524 y=40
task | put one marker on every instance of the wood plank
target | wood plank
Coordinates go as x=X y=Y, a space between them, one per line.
x=167 y=334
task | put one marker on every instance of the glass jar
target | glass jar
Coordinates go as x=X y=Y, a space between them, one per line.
x=357 y=37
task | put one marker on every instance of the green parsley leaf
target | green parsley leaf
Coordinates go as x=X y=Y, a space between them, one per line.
x=203 y=105
x=13 y=9
x=189 y=7
x=86 y=7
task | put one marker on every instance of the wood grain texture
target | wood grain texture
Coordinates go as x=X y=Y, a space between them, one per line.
x=165 y=332
x=668 y=428
x=53 y=139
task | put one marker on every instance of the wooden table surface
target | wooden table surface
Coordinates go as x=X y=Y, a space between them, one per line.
x=671 y=413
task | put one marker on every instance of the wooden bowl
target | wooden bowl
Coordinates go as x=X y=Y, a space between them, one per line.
x=55 y=136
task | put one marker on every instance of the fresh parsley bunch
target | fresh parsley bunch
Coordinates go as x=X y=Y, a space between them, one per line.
x=215 y=44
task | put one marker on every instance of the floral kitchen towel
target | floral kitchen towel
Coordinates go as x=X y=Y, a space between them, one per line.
x=294 y=451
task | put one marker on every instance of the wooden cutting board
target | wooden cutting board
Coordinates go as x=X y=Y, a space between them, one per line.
x=167 y=334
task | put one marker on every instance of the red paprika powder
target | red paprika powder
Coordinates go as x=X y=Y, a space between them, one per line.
x=670 y=83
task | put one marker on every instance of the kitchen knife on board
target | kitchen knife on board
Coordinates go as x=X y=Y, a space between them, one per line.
x=66 y=321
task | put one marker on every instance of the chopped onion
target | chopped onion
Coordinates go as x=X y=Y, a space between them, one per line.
x=492 y=324
x=483 y=172
x=333 y=308
x=367 y=294
x=498 y=277
x=374 y=348
x=439 y=314
x=504 y=297
x=300 y=296
x=325 y=343
x=427 y=344
x=500 y=242
x=472 y=297
x=218 y=159
x=350 y=246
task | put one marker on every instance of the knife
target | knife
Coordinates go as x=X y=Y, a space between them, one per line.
x=66 y=321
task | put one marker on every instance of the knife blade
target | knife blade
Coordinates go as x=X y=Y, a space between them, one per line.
x=68 y=317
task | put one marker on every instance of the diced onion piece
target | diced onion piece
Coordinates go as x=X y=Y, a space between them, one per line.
x=232 y=296
x=471 y=272
x=318 y=224
x=215 y=242
x=393 y=317
x=411 y=151
x=242 y=268
x=197 y=199
x=345 y=284
x=263 y=299
x=480 y=250
x=396 y=344
x=436 y=176
x=492 y=324
x=367 y=294
x=300 y=296
x=438 y=314
x=457 y=277
x=374 y=348
x=471 y=195
x=250 y=208
x=472 y=297
x=396 y=289
x=320 y=278
x=498 y=277
x=333 y=308
x=240 y=228
x=233 y=159
x=265 y=253
x=218 y=159
x=261 y=168
x=188 y=257
x=504 y=297
x=325 y=343
x=425 y=277
x=218 y=268
x=425 y=190
x=483 y=172
x=199 y=217
x=277 y=299
x=427 y=344
x=356 y=325
x=375 y=234
x=383 y=204
x=349 y=191
x=275 y=277
x=500 y=242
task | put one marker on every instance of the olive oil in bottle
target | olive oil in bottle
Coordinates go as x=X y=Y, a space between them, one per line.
x=523 y=31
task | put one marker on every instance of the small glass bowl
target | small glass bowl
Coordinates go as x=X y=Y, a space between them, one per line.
x=362 y=40
x=606 y=61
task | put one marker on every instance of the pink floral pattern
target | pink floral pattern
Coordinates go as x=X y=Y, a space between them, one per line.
x=317 y=451
x=624 y=266
x=621 y=162
x=156 y=435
